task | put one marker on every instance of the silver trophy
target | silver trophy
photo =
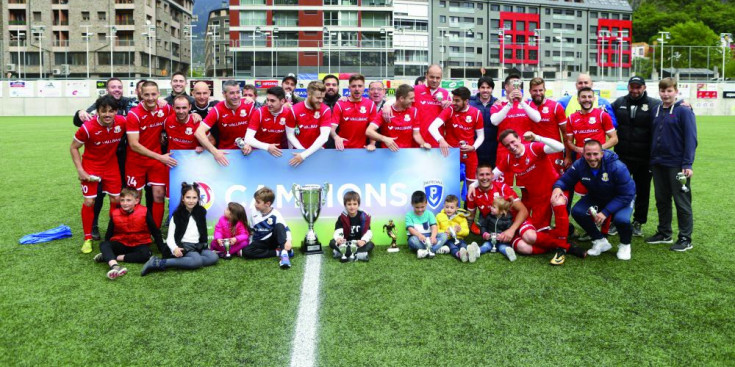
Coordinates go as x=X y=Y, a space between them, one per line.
x=226 y=244
x=682 y=178
x=453 y=234
x=310 y=198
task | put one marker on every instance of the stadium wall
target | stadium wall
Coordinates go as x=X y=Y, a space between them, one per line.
x=64 y=97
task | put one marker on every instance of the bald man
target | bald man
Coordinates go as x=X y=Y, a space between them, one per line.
x=202 y=103
x=571 y=103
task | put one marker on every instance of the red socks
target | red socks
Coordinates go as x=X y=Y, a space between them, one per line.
x=157 y=212
x=87 y=219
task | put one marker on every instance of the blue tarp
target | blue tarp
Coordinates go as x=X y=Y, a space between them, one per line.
x=57 y=233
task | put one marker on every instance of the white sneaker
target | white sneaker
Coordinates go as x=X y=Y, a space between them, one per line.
x=510 y=253
x=443 y=250
x=421 y=253
x=463 y=254
x=598 y=247
x=431 y=254
x=473 y=252
x=624 y=252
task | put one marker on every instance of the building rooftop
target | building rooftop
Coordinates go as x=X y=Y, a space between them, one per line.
x=619 y=5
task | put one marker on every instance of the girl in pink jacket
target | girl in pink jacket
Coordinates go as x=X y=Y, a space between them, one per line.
x=232 y=227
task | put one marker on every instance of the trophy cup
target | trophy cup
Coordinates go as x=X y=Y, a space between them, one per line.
x=226 y=243
x=310 y=198
x=682 y=178
x=390 y=229
x=453 y=234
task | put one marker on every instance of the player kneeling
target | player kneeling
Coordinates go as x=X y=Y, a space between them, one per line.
x=352 y=233
x=128 y=236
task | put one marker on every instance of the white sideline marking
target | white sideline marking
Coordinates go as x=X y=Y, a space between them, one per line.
x=304 y=339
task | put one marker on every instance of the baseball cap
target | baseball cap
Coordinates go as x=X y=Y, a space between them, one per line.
x=637 y=80
x=290 y=76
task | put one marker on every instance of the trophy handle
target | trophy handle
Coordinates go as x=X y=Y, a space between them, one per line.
x=325 y=188
x=294 y=189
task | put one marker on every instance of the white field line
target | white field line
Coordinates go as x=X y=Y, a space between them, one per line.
x=305 y=337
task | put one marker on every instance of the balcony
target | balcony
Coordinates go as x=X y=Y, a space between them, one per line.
x=61 y=43
x=287 y=43
x=125 y=42
x=63 y=22
x=124 y=4
x=17 y=22
x=124 y=21
x=285 y=2
x=377 y=3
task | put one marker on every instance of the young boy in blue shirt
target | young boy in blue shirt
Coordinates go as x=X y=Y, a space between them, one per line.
x=422 y=228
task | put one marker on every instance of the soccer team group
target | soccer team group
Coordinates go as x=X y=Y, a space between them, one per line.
x=548 y=149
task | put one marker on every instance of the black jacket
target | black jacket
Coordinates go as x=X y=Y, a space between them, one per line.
x=635 y=127
x=181 y=220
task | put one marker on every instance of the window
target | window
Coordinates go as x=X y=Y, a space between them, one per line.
x=478 y=36
x=494 y=53
x=101 y=15
x=85 y=15
x=520 y=39
x=494 y=7
x=442 y=4
x=532 y=10
x=252 y=17
x=348 y=18
x=593 y=14
x=479 y=6
x=520 y=25
x=479 y=50
x=579 y=27
x=252 y=2
x=532 y=26
x=454 y=49
x=547 y=11
x=494 y=23
x=569 y=26
x=36 y=16
x=520 y=9
x=507 y=8
x=533 y=54
x=442 y=19
x=102 y=37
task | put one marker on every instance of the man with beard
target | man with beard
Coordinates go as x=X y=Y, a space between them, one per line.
x=331 y=96
x=552 y=124
x=178 y=88
x=610 y=193
x=635 y=113
x=180 y=127
x=484 y=101
x=588 y=123
x=514 y=113
x=289 y=85
x=350 y=118
x=312 y=122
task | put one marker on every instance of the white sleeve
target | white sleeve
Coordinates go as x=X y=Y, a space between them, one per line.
x=367 y=236
x=318 y=143
x=250 y=140
x=499 y=116
x=551 y=145
x=291 y=136
x=480 y=138
x=496 y=173
x=170 y=242
x=338 y=233
x=434 y=129
x=534 y=115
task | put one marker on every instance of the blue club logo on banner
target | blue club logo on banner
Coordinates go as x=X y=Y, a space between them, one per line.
x=385 y=181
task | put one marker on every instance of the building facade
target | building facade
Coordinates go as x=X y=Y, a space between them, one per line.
x=532 y=37
x=218 y=60
x=271 y=38
x=411 y=37
x=76 y=38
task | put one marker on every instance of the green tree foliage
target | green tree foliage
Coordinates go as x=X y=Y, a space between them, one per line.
x=686 y=35
x=652 y=16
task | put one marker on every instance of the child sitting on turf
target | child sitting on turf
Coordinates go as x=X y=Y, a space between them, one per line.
x=232 y=227
x=187 y=236
x=422 y=229
x=498 y=220
x=352 y=233
x=270 y=236
x=129 y=235
x=455 y=227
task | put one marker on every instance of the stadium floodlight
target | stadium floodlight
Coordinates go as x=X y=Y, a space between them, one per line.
x=442 y=51
x=662 y=40
x=86 y=35
x=467 y=34
x=325 y=31
x=725 y=39
x=537 y=33
x=38 y=32
x=502 y=35
x=621 y=41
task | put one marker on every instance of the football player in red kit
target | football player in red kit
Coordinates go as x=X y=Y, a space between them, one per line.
x=462 y=123
x=402 y=130
x=98 y=166
x=431 y=100
x=146 y=165
x=267 y=127
x=552 y=124
x=350 y=118
x=514 y=113
x=312 y=122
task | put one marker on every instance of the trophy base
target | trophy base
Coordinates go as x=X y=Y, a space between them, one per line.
x=393 y=249
x=313 y=248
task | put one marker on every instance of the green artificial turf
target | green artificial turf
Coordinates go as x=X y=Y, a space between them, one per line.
x=660 y=308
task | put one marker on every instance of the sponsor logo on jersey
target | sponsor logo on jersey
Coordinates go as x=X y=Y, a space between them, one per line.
x=545 y=109
x=592 y=120
x=317 y=114
x=243 y=113
x=98 y=132
x=188 y=131
x=468 y=118
x=282 y=121
x=434 y=190
x=159 y=113
x=406 y=118
x=362 y=109
x=117 y=129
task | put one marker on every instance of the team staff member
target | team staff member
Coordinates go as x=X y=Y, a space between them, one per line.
x=461 y=123
x=484 y=101
x=672 y=153
x=312 y=122
x=635 y=113
x=231 y=117
x=609 y=189
x=178 y=88
x=289 y=86
x=350 y=118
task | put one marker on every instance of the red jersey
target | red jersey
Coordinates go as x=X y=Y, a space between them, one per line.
x=533 y=169
x=484 y=199
x=270 y=128
x=516 y=119
x=149 y=126
x=309 y=121
x=181 y=135
x=552 y=116
x=593 y=125
x=429 y=105
x=461 y=126
x=401 y=126
x=353 y=119
x=100 y=143
x=232 y=123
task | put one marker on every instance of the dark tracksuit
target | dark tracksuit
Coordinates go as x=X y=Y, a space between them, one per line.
x=489 y=148
x=673 y=148
x=353 y=229
x=635 y=121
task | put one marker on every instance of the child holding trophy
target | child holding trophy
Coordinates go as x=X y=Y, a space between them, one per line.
x=422 y=229
x=455 y=226
x=231 y=232
x=497 y=221
x=270 y=237
x=352 y=235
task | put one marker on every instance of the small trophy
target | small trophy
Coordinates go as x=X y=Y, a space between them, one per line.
x=310 y=198
x=240 y=142
x=390 y=229
x=226 y=243
x=453 y=233
x=463 y=144
x=682 y=178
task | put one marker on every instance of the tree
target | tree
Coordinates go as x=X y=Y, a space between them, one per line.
x=687 y=36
